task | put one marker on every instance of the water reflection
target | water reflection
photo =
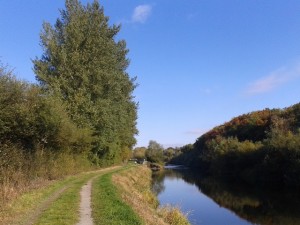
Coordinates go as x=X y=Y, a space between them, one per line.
x=256 y=206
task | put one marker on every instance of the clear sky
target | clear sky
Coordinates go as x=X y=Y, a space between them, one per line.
x=199 y=63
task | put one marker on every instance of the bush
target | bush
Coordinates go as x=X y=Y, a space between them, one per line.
x=38 y=140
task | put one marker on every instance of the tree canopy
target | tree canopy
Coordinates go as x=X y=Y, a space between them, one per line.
x=84 y=66
x=260 y=147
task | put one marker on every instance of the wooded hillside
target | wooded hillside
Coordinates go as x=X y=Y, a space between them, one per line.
x=261 y=147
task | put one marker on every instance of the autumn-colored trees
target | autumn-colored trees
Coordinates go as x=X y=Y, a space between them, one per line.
x=155 y=153
x=261 y=147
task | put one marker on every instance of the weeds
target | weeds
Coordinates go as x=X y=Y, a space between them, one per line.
x=173 y=215
x=21 y=172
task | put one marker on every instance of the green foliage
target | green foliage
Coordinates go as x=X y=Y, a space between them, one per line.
x=139 y=153
x=154 y=152
x=81 y=111
x=38 y=140
x=260 y=148
x=186 y=155
x=34 y=120
x=85 y=67
x=169 y=153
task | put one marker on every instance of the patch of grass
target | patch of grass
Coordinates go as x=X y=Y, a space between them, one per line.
x=107 y=204
x=35 y=206
x=21 y=208
x=64 y=211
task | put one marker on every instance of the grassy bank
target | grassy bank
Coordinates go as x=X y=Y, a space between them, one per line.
x=134 y=187
x=108 y=207
x=119 y=196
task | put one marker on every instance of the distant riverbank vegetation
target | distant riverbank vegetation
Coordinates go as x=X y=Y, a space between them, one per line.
x=81 y=111
x=260 y=148
x=155 y=155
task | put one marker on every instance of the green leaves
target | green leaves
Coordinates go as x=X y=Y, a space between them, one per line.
x=85 y=67
x=32 y=119
x=154 y=152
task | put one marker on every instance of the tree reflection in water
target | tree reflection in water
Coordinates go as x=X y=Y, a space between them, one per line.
x=258 y=206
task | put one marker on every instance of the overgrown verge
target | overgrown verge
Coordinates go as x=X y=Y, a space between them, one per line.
x=38 y=140
x=108 y=207
x=20 y=172
x=24 y=208
x=134 y=184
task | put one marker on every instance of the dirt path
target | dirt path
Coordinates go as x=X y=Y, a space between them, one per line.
x=85 y=209
x=85 y=204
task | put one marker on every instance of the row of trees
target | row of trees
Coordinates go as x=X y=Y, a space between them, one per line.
x=84 y=100
x=261 y=147
x=155 y=153
x=81 y=112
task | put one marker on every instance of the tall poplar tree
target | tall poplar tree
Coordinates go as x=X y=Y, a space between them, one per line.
x=85 y=66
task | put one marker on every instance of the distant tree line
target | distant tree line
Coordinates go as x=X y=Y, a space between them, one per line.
x=260 y=148
x=155 y=153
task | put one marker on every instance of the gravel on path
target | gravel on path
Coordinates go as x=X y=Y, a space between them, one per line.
x=85 y=204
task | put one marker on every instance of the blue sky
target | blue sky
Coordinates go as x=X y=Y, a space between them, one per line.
x=199 y=63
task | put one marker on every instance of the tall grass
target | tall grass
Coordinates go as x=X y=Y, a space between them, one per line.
x=20 y=171
x=173 y=215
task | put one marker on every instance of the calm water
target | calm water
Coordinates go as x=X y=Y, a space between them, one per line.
x=210 y=202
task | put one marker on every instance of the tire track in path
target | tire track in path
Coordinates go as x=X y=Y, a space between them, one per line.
x=85 y=210
x=35 y=215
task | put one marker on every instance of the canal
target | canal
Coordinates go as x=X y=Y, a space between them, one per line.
x=208 y=201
